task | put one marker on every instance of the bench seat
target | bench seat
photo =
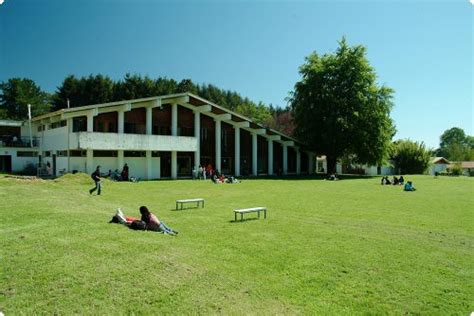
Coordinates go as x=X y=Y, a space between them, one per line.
x=182 y=202
x=250 y=210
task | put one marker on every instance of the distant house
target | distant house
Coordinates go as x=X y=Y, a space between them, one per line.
x=438 y=165
x=466 y=166
x=388 y=169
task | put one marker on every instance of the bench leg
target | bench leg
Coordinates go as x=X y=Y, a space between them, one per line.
x=176 y=205
x=258 y=214
x=241 y=216
x=235 y=215
x=265 y=214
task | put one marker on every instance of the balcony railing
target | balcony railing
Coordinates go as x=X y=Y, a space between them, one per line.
x=15 y=141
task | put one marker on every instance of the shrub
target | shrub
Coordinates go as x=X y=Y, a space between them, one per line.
x=456 y=170
x=411 y=157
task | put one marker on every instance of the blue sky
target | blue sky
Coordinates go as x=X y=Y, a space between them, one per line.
x=422 y=49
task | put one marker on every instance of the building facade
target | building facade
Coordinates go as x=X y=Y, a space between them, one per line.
x=158 y=137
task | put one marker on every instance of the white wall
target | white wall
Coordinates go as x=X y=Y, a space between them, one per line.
x=18 y=163
x=114 y=141
x=54 y=139
x=136 y=165
x=155 y=167
x=77 y=163
x=437 y=167
x=107 y=163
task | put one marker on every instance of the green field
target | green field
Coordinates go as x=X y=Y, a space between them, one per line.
x=350 y=246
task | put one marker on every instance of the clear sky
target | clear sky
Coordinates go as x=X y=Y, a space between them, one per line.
x=422 y=49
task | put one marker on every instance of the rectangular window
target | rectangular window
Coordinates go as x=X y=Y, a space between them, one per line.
x=77 y=153
x=79 y=124
x=47 y=154
x=40 y=128
x=58 y=124
x=62 y=153
x=105 y=153
x=155 y=154
x=27 y=154
x=134 y=154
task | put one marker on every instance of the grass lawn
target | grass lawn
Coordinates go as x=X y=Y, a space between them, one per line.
x=350 y=246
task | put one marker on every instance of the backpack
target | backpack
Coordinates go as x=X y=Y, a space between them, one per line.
x=138 y=225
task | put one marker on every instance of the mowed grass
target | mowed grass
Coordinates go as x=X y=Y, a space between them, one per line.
x=350 y=246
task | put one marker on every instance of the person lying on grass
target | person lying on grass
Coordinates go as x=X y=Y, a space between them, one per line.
x=154 y=224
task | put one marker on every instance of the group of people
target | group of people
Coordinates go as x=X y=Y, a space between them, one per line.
x=115 y=175
x=408 y=186
x=203 y=172
x=395 y=181
x=208 y=172
x=120 y=176
x=147 y=221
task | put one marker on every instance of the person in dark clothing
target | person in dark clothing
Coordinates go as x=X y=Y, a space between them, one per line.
x=96 y=177
x=124 y=173
x=401 y=181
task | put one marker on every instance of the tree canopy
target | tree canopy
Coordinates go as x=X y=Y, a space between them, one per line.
x=455 y=145
x=340 y=110
x=102 y=89
x=16 y=94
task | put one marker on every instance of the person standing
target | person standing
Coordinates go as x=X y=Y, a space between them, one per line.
x=96 y=177
x=125 y=173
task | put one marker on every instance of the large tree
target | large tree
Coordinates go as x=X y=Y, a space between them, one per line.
x=456 y=145
x=340 y=110
x=17 y=93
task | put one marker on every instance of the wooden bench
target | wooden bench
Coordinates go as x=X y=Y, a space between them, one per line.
x=189 y=201
x=250 y=210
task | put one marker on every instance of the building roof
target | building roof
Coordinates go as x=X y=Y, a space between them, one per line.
x=11 y=123
x=185 y=99
x=440 y=160
x=464 y=164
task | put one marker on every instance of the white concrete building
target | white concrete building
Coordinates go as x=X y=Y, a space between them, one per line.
x=158 y=137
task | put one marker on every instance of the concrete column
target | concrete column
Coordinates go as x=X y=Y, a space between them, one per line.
x=69 y=125
x=174 y=164
x=254 y=154
x=90 y=122
x=218 y=145
x=197 y=134
x=174 y=119
x=298 y=161
x=149 y=118
x=237 y=151
x=148 y=165
x=270 y=157
x=285 y=159
x=121 y=122
x=120 y=161
x=90 y=161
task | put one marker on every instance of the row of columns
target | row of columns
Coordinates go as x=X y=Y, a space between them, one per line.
x=197 y=153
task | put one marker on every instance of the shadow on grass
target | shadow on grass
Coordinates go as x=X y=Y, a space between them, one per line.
x=185 y=208
x=233 y=221
x=307 y=177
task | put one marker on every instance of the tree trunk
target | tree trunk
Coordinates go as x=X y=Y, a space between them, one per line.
x=331 y=164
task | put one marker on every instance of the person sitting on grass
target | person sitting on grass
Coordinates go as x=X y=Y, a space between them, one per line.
x=395 y=180
x=401 y=181
x=154 y=224
x=409 y=187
